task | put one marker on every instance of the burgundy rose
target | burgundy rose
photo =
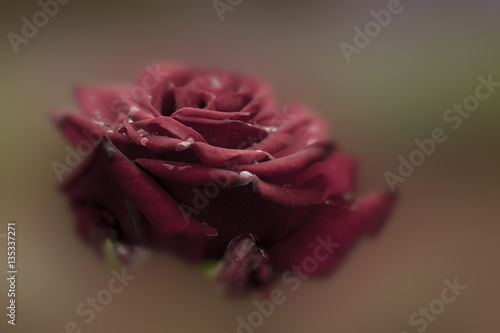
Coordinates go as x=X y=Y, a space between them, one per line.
x=202 y=163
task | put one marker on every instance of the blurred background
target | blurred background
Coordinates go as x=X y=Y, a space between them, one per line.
x=393 y=91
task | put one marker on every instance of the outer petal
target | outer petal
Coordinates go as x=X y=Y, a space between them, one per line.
x=154 y=202
x=335 y=228
x=200 y=176
x=288 y=165
x=77 y=128
x=100 y=103
x=111 y=180
x=337 y=172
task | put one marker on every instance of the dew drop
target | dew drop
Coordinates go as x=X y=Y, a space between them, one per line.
x=142 y=132
x=168 y=166
x=189 y=139
x=101 y=123
x=311 y=141
x=246 y=174
x=144 y=141
x=133 y=110
x=183 y=145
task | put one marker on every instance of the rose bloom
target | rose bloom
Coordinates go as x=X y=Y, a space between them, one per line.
x=203 y=164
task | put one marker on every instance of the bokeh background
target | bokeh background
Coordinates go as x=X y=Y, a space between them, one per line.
x=395 y=91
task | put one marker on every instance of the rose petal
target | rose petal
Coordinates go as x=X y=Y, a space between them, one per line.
x=100 y=103
x=231 y=134
x=167 y=126
x=331 y=230
x=154 y=202
x=288 y=165
x=78 y=128
x=187 y=113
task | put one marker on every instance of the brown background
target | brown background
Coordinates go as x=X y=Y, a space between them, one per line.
x=395 y=91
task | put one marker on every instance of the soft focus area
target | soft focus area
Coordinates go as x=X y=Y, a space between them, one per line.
x=392 y=85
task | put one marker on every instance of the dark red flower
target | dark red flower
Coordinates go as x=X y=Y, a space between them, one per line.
x=192 y=159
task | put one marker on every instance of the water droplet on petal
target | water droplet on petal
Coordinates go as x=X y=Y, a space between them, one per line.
x=144 y=141
x=311 y=141
x=189 y=139
x=142 y=132
x=169 y=166
x=100 y=123
x=270 y=129
x=183 y=145
x=133 y=110
x=246 y=174
x=213 y=235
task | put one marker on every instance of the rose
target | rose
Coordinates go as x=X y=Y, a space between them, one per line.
x=191 y=159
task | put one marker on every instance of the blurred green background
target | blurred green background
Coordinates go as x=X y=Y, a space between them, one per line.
x=394 y=91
